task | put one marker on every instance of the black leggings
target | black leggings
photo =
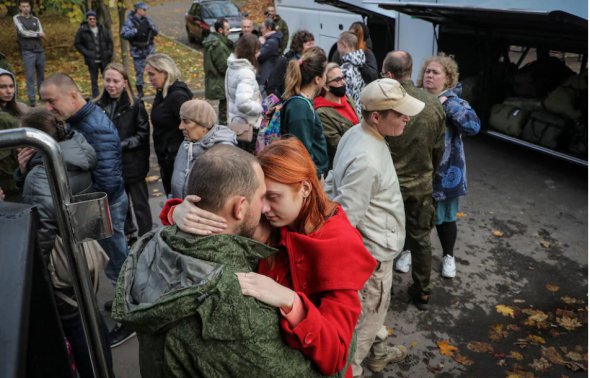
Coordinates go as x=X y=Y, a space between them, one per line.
x=447 y=234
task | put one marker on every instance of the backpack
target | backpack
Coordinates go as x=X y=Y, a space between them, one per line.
x=270 y=127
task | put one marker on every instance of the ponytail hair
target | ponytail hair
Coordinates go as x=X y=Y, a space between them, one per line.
x=301 y=72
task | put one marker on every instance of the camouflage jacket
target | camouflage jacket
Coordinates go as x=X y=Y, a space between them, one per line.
x=217 y=49
x=180 y=293
x=417 y=152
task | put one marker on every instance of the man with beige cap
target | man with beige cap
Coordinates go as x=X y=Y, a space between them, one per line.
x=198 y=123
x=365 y=183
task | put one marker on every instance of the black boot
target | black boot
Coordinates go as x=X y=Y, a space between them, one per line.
x=139 y=91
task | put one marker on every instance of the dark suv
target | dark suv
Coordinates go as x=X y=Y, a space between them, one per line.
x=201 y=16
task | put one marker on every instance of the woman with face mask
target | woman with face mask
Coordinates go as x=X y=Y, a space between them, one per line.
x=335 y=108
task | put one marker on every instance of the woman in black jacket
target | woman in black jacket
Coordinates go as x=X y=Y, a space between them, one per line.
x=171 y=94
x=95 y=43
x=131 y=119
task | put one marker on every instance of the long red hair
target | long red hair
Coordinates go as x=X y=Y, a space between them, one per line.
x=287 y=161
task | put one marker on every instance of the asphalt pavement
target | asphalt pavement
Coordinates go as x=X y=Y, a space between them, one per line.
x=522 y=243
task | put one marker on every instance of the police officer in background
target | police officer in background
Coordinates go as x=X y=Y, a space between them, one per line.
x=140 y=31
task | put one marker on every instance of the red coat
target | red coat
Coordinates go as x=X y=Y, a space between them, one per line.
x=326 y=268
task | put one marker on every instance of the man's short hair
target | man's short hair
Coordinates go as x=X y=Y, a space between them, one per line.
x=25 y=1
x=348 y=39
x=221 y=172
x=61 y=80
x=398 y=63
x=219 y=23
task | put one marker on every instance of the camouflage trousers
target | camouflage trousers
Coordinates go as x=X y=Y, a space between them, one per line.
x=419 y=211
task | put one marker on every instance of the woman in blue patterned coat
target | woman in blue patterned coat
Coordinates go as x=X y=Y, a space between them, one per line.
x=440 y=76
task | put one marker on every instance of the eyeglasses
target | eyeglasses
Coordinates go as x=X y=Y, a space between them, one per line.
x=335 y=80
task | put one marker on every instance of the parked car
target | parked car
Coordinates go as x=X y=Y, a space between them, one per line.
x=201 y=17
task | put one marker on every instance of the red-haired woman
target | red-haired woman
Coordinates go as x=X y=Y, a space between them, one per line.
x=321 y=264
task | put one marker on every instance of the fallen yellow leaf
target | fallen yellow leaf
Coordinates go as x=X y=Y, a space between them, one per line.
x=390 y=331
x=571 y=301
x=545 y=243
x=540 y=364
x=552 y=355
x=552 y=288
x=460 y=215
x=516 y=355
x=445 y=348
x=497 y=233
x=536 y=339
x=575 y=356
x=463 y=360
x=497 y=332
x=568 y=323
x=150 y=179
x=505 y=310
x=477 y=346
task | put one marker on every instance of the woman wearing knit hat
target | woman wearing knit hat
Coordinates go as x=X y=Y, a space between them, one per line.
x=198 y=125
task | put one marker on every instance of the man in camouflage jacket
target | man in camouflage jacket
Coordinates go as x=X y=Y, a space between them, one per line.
x=218 y=48
x=416 y=155
x=181 y=294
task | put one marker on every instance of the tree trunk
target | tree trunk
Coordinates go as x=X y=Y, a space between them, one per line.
x=124 y=43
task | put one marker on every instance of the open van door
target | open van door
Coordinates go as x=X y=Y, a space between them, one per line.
x=525 y=70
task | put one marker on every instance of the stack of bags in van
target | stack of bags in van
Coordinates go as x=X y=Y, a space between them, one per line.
x=553 y=115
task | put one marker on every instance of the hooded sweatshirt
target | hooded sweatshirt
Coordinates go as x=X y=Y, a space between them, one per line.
x=242 y=91
x=180 y=293
x=351 y=68
x=189 y=151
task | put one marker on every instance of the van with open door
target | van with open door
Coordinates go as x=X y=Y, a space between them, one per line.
x=523 y=65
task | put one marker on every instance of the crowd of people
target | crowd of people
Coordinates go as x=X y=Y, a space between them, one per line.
x=274 y=263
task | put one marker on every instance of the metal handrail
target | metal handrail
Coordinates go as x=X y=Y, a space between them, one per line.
x=62 y=198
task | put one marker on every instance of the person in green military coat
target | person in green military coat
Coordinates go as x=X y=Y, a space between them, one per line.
x=218 y=47
x=416 y=155
x=181 y=294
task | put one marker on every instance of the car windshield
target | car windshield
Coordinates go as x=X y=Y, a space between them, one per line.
x=216 y=10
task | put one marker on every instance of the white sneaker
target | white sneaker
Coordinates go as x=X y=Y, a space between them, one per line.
x=404 y=262
x=448 y=266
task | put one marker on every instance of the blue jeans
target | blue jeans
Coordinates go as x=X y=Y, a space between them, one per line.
x=34 y=69
x=116 y=246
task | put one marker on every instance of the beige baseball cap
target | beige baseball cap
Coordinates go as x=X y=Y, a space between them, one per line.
x=386 y=94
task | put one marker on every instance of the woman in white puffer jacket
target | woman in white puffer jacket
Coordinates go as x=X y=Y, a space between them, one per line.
x=241 y=88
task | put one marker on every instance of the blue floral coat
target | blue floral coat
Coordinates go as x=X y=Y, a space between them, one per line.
x=450 y=180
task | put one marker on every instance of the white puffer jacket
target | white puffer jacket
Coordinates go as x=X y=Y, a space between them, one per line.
x=242 y=92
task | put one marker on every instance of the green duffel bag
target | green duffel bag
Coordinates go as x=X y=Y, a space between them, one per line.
x=545 y=129
x=508 y=119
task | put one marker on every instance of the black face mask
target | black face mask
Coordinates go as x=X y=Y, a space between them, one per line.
x=338 y=91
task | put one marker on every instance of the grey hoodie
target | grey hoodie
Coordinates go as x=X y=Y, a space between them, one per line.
x=189 y=151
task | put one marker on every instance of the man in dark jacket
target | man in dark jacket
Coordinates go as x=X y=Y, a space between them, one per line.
x=63 y=98
x=280 y=25
x=301 y=41
x=416 y=155
x=30 y=33
x=95 y=43
x=218 y=47
x=140 y=31
x=202 y=325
